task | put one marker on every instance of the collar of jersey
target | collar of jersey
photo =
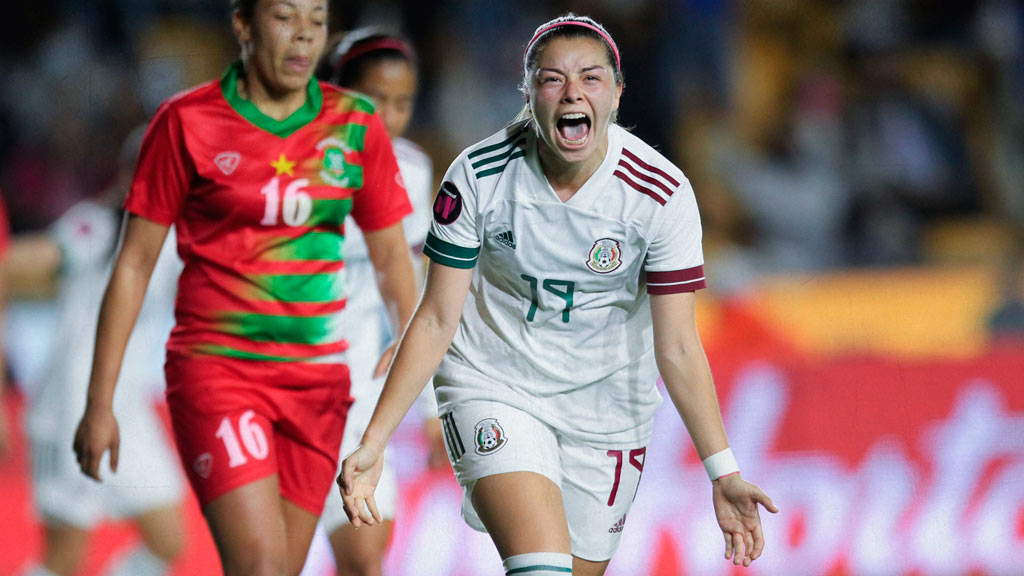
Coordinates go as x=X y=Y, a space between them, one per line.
x=249 y=111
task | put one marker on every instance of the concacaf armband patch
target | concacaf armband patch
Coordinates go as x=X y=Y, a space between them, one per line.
x=448 y=204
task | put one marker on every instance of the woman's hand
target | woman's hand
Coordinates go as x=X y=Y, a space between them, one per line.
x=97 y=432
x=360 y=472
x=736 y=509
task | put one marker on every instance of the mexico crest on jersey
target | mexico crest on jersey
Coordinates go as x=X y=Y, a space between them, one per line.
x=489 y=435
x=605 y=256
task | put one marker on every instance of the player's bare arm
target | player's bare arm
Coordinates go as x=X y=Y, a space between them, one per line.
x=97 y=431
x=31 y=266
x=425 y=341
x=684 y=368
x=396 y=280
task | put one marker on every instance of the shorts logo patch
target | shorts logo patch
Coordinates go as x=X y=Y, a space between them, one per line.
x=605 y=256
x=448 y=204
x=489 y=435
x=227 y=161
x=203 y=465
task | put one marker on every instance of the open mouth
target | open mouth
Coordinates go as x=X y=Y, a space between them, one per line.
x=574 y=128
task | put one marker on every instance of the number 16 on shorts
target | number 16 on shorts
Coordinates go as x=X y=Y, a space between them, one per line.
x=239 y=439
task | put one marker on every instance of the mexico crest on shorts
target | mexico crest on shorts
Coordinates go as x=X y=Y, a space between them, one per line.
x=489 y=435
x=605 y=256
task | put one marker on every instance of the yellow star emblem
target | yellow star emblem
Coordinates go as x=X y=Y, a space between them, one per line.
x=283 y=166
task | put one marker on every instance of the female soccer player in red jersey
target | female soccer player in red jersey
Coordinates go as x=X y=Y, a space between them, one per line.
x=565 y=254
x=257 y=172
x=382 y=66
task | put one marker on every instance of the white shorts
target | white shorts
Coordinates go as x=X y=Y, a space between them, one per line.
x=148 y=476
x=598 y=484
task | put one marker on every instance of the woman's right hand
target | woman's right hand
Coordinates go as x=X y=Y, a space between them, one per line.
x=97 y=432
x=360 y=472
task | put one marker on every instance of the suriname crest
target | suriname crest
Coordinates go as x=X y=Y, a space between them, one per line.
x=605 y=256
x=489 y=435
x=333 y=167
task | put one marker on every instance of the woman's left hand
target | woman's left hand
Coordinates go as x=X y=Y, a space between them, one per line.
x=736 y=509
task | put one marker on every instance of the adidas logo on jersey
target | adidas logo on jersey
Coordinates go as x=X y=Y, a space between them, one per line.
x=506 y=238
x=618 y=526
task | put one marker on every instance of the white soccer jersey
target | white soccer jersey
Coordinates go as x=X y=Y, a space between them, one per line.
x=365 y=317
x=417 y=173
x=87 y=234
x=367 y=327
x=557 y=321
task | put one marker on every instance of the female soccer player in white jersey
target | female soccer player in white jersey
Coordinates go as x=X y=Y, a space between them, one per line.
x=565 y=255
x=383 y=67
x=75 y=255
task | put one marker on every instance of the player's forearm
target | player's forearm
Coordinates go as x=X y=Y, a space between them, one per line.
x=689 y=384
x=118 y=312
x=396 y=278
x=424 y=344
x=31 y=266
x=397 y=285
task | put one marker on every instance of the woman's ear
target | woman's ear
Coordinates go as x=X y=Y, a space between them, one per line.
x=243 y=33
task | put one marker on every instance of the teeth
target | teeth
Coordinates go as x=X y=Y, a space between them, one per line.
x=576 y=142
x=574 y=116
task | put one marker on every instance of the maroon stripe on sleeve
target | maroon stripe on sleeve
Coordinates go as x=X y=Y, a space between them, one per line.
x=622 y=176
x=647 y=166
x=645 y=177
x=675 y=281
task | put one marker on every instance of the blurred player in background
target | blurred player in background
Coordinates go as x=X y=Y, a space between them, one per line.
x=76 y=254
x=565 y=253
x=5 y=433
x=383 y=67
x=257 y=173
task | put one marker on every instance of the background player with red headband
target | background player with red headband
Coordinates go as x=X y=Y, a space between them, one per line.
x=383 y=67
x=565 y=255
x=257 y=172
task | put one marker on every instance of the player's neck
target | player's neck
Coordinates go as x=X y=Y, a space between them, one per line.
x=566 y=178
x=275 y=104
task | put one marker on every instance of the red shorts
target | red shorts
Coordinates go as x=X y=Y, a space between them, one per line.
x=237 y=421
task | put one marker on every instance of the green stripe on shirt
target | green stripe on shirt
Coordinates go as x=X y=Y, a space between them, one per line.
x=282 y=329
x=325 y=246
x=450 y=254
x=493 y=147
x=499 y=156
x=326 y=287
x=329 y=212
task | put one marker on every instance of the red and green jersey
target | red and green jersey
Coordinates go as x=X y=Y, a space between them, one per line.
x=259 y=205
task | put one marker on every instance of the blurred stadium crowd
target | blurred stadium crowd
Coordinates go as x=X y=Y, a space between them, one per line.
x=817 y=134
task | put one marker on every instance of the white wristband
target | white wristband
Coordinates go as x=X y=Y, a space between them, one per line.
x=721 y=464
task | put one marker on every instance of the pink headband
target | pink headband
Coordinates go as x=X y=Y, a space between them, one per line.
x=384 y=43
x=602 y=33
